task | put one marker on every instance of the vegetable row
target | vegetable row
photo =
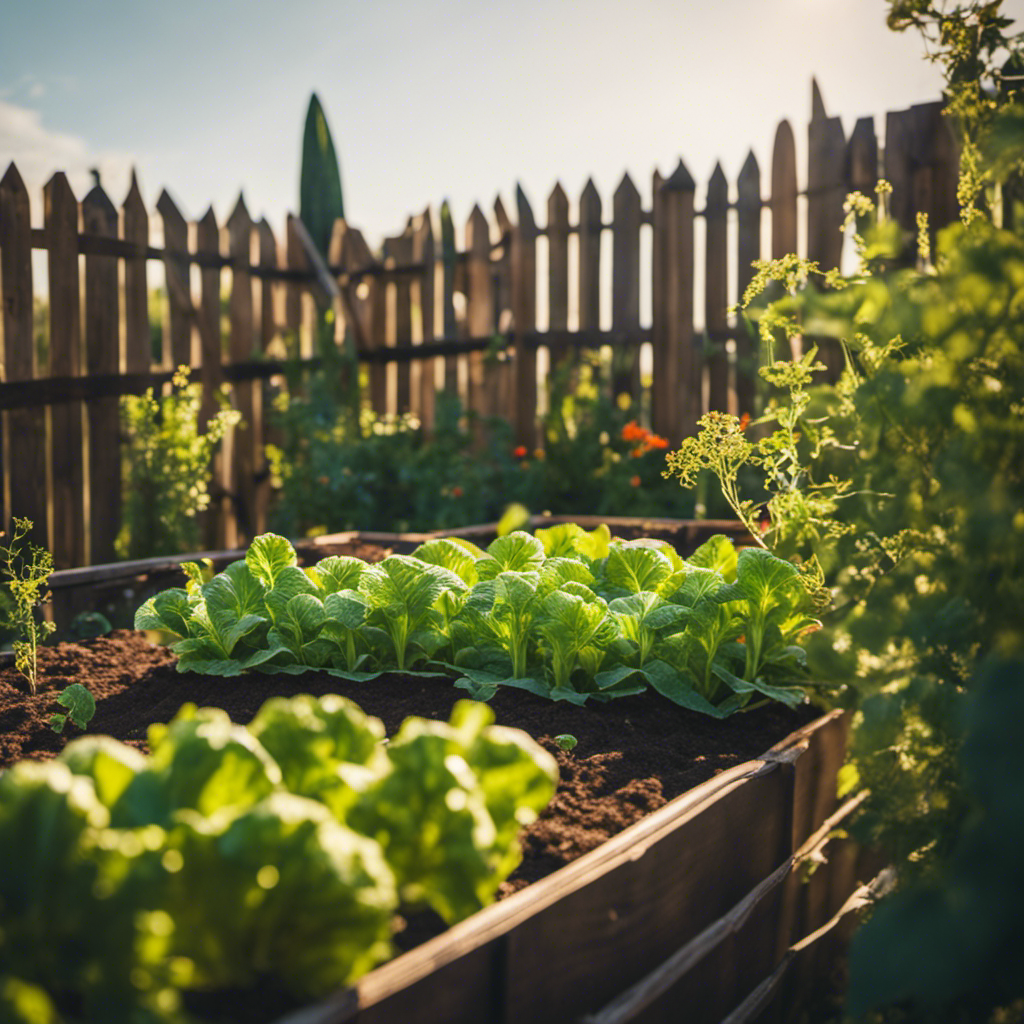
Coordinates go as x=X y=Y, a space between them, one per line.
x=566 y=614
x=242 y=857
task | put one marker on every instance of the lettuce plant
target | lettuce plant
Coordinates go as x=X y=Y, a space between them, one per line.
x=566 y=614
x=231 y=856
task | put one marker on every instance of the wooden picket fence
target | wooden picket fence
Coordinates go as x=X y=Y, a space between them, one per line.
x=421 y=315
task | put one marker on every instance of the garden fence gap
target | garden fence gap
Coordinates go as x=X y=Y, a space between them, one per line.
x=421 y=315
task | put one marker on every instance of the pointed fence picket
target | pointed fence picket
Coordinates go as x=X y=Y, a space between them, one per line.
x=422 y=313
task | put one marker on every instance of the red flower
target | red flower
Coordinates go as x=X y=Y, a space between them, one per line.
x=745 y=421
x=634 y=481
x=520 y=452
x=457 y=491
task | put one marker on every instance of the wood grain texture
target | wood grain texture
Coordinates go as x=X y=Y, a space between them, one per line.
x=676 y=389
x=626 y=285
x=898 y=166
x=575 y=955
x=784 y=190
x=524 y=312
x=219 y=527
x=247 y=436
x=479 y=309
x=589 y=232
x=135 y=229
x=448 y=258
x=397 y=253
x=267 y=256
x=826 y=190
x=862 y=157
x=102 y=356
x=65 y=360
x=716 y=284
x=24 y=430
x=748 y=242
x=423 y=303
x=783 y=200
x=178 y=347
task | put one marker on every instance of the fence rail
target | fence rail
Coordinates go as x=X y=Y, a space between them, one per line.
x=421 y=314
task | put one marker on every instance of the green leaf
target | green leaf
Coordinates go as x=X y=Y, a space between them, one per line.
x=110 y=765
x=791 y=696
x=516 y=552
x=450 y=555
x=346 y=608
x=339 y=572
x=170 y=610
x=718 y=553
x=634 y=567
x=79 y=702
x=674 y=685
x=290 y=582
x=268 y=554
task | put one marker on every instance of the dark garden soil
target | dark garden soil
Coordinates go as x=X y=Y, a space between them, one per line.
x=633 y=755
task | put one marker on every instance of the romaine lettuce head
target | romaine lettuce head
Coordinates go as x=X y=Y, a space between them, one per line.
x=432 y=813
x=71 y=921
x=281 y=890
x=311 y=738
x=200 y=760
x=110 y=765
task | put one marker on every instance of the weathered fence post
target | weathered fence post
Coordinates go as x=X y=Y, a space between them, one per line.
x=716 y=300
x=249 y=432
x=676 y=389
x=748 y=208
x=826 y=190
x=23 y=429
x=102 y=356
x=524 y=312
x=65 y=360
x=423 y=252
x=626 y=288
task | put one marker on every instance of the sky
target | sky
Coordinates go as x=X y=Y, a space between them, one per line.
x=426 y=100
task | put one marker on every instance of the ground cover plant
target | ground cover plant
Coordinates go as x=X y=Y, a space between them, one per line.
x=565 y=614
x=232 y=857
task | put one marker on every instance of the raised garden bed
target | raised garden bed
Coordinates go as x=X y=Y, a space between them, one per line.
x=663 y=873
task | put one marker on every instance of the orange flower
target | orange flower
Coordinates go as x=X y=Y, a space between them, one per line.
x=745 y=421
x=632 y=431
x=634 y=481
x=654 y=441
x=520 y=452
x=323 y=481
x=637 y=452
x=457 y=491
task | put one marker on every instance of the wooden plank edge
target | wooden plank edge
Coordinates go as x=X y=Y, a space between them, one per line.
x=499 y=919
x=627 y=1005
x=761 y=996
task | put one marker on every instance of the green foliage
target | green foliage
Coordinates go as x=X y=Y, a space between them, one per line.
x=905 y=482
x=80 y=707
x=337 y=472
x=26 y=568
x=568 y=614
x=973 y=906
x=168 y=469
x=273 y=856
x=320 y=198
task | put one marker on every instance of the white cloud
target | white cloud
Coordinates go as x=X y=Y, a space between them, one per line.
x=40 y=152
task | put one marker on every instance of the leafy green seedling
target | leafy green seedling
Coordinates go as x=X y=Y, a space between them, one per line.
x=566 y=741
x=80 y=704
x=26 y=569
